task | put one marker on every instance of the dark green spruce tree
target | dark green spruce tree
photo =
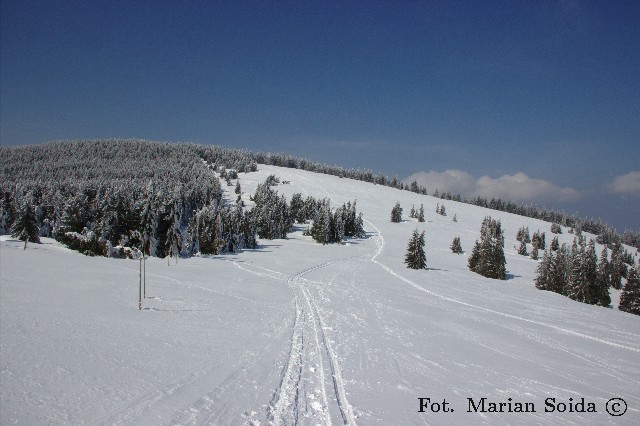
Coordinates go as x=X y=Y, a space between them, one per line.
x=601 y=295
x=595 y=294
x=630 y=297
x=487 y=258
x=396 y=213
x=456 y=247
x=559 y=268
x=578 y=284
x=415 y=258
x=421 y=213
x=544 y=272
x=25 y=227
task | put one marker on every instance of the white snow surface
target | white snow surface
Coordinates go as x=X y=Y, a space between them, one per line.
x=300 y=333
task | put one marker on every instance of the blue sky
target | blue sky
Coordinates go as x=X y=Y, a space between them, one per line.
x=534 y=101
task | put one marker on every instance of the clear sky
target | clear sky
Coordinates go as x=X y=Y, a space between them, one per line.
x=528 y=100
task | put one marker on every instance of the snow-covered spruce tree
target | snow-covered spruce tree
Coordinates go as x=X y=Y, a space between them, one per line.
x=24 y=227
x=296 y=207
x=455 y=218
x=148 y=221
x=353 y=222
x=487 y=258
x=4 y=219
x=333 y=226
x=536 y=240
x=249 y=231
x=556 y=229
x=601 y=289
x=555 y=245
x=523 y=235
x=7 y=211
x=321 y=227
x=630 y=297
x=413 y=213
x=76 y=214
x=421 y=213
x=627 y=258
x=522 y=250
x=396 y=213
x=272 y=213
x=559 y=271
x=474 y=259
x=534 y=253
x=456 y=247
x=207 y=231
x=415 y=258
x=310 y=208
x=173 y=237
x=543 y=272
x=590 y=269
x=604 y=278
x=615 y=266
x=577 y=286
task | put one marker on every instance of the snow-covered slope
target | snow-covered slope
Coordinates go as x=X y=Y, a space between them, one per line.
x=299 y=333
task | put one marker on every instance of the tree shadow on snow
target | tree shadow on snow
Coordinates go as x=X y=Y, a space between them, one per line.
x=509 y=276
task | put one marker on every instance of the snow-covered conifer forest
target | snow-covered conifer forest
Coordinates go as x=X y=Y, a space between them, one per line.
x=278 y=291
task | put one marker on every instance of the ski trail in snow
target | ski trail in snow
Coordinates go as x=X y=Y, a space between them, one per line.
x=303 y=376
x=380 y=245
x=336 y=373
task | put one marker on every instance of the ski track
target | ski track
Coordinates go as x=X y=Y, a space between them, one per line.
x=380 y=238
x=303 y=376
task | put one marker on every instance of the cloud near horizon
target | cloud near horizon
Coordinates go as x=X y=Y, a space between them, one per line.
x=626 y=184
x=517 y=187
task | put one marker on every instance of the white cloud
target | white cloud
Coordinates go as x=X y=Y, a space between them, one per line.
x=518 y=187
x=626 y=184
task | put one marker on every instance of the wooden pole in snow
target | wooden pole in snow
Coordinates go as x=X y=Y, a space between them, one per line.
x=140 y=288
x=144 y=277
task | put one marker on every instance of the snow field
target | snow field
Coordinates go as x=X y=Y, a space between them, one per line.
x=299 y=333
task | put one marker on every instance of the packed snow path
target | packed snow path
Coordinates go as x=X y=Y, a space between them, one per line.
x=302 y=393
x=300 y=333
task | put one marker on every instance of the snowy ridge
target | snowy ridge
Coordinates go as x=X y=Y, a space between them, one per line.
x=299 y=333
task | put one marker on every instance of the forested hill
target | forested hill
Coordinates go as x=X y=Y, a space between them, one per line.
x=115 y=162
x=107 y=187
x=51 y=172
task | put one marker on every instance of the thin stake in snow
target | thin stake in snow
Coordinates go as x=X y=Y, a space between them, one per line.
x=140 y=287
